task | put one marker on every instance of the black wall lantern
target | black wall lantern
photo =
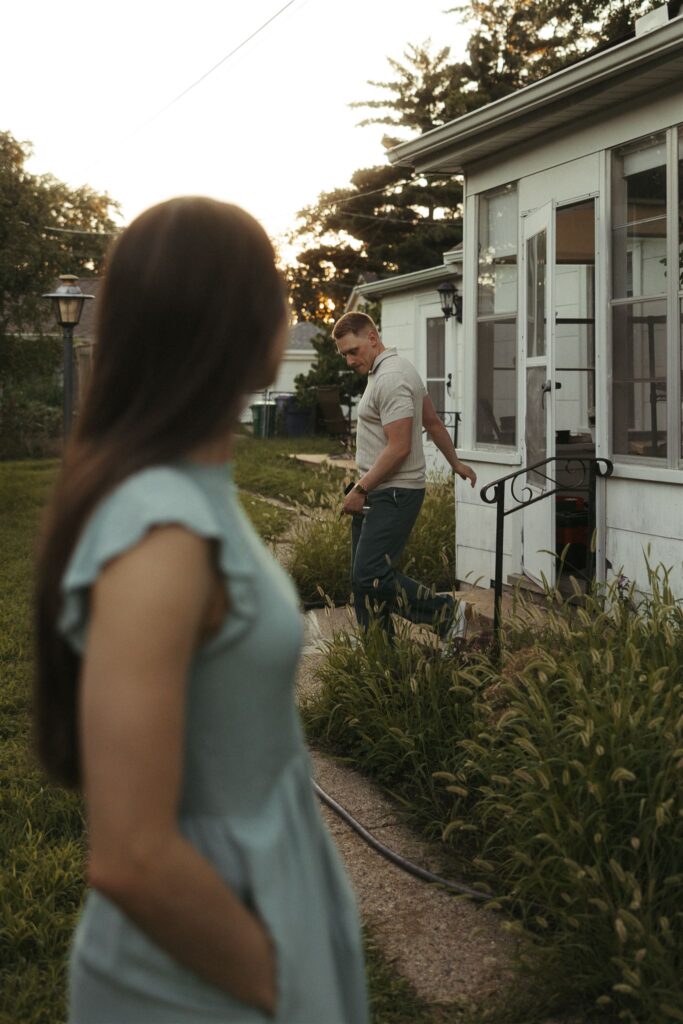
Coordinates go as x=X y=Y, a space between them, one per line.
x=67 y=302
x=451 y=301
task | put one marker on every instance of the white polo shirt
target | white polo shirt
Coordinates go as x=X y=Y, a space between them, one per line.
x=394 y=392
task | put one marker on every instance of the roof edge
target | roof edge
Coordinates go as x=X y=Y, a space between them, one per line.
x=404 y=282
x=561 y=85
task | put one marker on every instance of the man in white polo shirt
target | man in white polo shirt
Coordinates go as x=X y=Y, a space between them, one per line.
x=392 y=413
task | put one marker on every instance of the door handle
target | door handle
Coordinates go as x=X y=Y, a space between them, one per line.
x=545 y=388
x=449 y=381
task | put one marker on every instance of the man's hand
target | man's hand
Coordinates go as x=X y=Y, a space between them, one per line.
x=465 y=472
x=353 y=503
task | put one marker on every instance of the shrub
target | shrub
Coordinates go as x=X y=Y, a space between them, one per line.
x=31 y=396
x=29 y=428
x=561 y=771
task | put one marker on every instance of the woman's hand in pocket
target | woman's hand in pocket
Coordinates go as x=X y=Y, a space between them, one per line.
x=265 y=972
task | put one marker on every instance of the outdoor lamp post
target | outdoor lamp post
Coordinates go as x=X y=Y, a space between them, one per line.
x=67 y=303
x=451 y=302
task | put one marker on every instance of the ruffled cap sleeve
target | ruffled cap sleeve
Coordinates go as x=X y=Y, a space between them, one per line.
x=155 y=497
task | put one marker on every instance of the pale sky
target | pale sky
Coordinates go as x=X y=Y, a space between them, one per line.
x=269 y=129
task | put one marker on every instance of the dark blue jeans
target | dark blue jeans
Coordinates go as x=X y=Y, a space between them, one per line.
x=377 y=542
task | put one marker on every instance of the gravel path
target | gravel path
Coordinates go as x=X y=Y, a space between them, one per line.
x=451 y=949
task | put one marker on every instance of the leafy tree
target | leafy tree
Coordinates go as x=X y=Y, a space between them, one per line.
x=327 y=368
x=515 y=43
x=387 y=220
x=46 y=229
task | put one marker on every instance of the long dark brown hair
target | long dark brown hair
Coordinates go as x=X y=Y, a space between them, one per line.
x=189 y=309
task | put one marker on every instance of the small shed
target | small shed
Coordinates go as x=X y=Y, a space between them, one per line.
x=413 y=322
x=573 y=303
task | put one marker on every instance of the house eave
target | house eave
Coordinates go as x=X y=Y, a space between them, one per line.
x=648 y=63
x=407 y=282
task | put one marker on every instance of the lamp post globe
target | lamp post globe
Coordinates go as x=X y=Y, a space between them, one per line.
x=67 y=304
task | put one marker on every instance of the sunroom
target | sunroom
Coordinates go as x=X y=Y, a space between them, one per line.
x=572 y=311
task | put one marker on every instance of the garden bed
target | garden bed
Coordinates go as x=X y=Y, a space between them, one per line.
x=556 y=780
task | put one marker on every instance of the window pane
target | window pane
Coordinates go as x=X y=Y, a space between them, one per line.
x=535 y=426
x=639 y=379
x=496 y=382
x=639 y=253
x=436 y=347
x=498 y=252
x=639 y=218
x=680 y=205
x=536 y=282
x=639 y=181
x=436 y=389
x=575 y=318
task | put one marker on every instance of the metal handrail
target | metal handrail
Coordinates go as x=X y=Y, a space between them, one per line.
x=449 y=418
x=587 y=471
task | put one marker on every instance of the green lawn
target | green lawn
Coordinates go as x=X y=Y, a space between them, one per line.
x=265 y=467
x=41 y=847
x=41 y=839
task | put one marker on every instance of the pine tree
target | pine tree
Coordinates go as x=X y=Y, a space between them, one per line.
x=389 y=221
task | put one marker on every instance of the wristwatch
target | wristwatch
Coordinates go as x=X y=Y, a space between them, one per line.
x=359 y=487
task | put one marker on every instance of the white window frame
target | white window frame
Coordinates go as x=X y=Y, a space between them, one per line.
x=506 y=451
x=673 y=297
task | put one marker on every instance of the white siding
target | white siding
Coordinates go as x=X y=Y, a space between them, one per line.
x=294 y=362
x=572 y=180
x=402 y=321
x=560 y=152
x=475 y=530
x=642 y=515
x=398 y=324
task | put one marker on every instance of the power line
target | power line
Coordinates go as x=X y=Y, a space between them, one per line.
x=206 y=74
x=376 y=191
x=373 y=192
x=80 y=231
x=398 y=220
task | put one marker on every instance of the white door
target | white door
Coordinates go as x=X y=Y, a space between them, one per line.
x=438 y=369
x=538 y=519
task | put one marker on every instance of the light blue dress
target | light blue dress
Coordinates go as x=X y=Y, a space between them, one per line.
x=247 y=802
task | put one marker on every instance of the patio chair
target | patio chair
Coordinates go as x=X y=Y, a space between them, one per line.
x=334 y=419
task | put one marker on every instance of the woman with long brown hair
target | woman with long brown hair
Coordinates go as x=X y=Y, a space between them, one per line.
x=168 y=640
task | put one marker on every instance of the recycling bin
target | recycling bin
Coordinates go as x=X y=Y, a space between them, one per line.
x=263 y=418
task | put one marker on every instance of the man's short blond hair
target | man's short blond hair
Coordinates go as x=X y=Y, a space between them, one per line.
x=352 y=323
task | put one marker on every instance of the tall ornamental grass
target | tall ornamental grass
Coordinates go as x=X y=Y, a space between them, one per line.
x=558 y=774
x=320 y=553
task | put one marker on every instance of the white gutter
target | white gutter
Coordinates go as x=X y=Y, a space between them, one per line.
x=405 y=282
x=626 y=59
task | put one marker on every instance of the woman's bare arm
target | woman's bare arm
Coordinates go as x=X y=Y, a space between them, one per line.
x=147 y=612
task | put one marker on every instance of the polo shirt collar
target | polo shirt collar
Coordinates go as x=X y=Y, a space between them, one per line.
x=382 y=356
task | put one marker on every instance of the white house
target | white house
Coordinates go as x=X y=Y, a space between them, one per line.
x=413 y=322
x=573 y=302
x=297 y=358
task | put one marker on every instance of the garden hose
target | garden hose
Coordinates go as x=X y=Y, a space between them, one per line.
x=391 y=855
